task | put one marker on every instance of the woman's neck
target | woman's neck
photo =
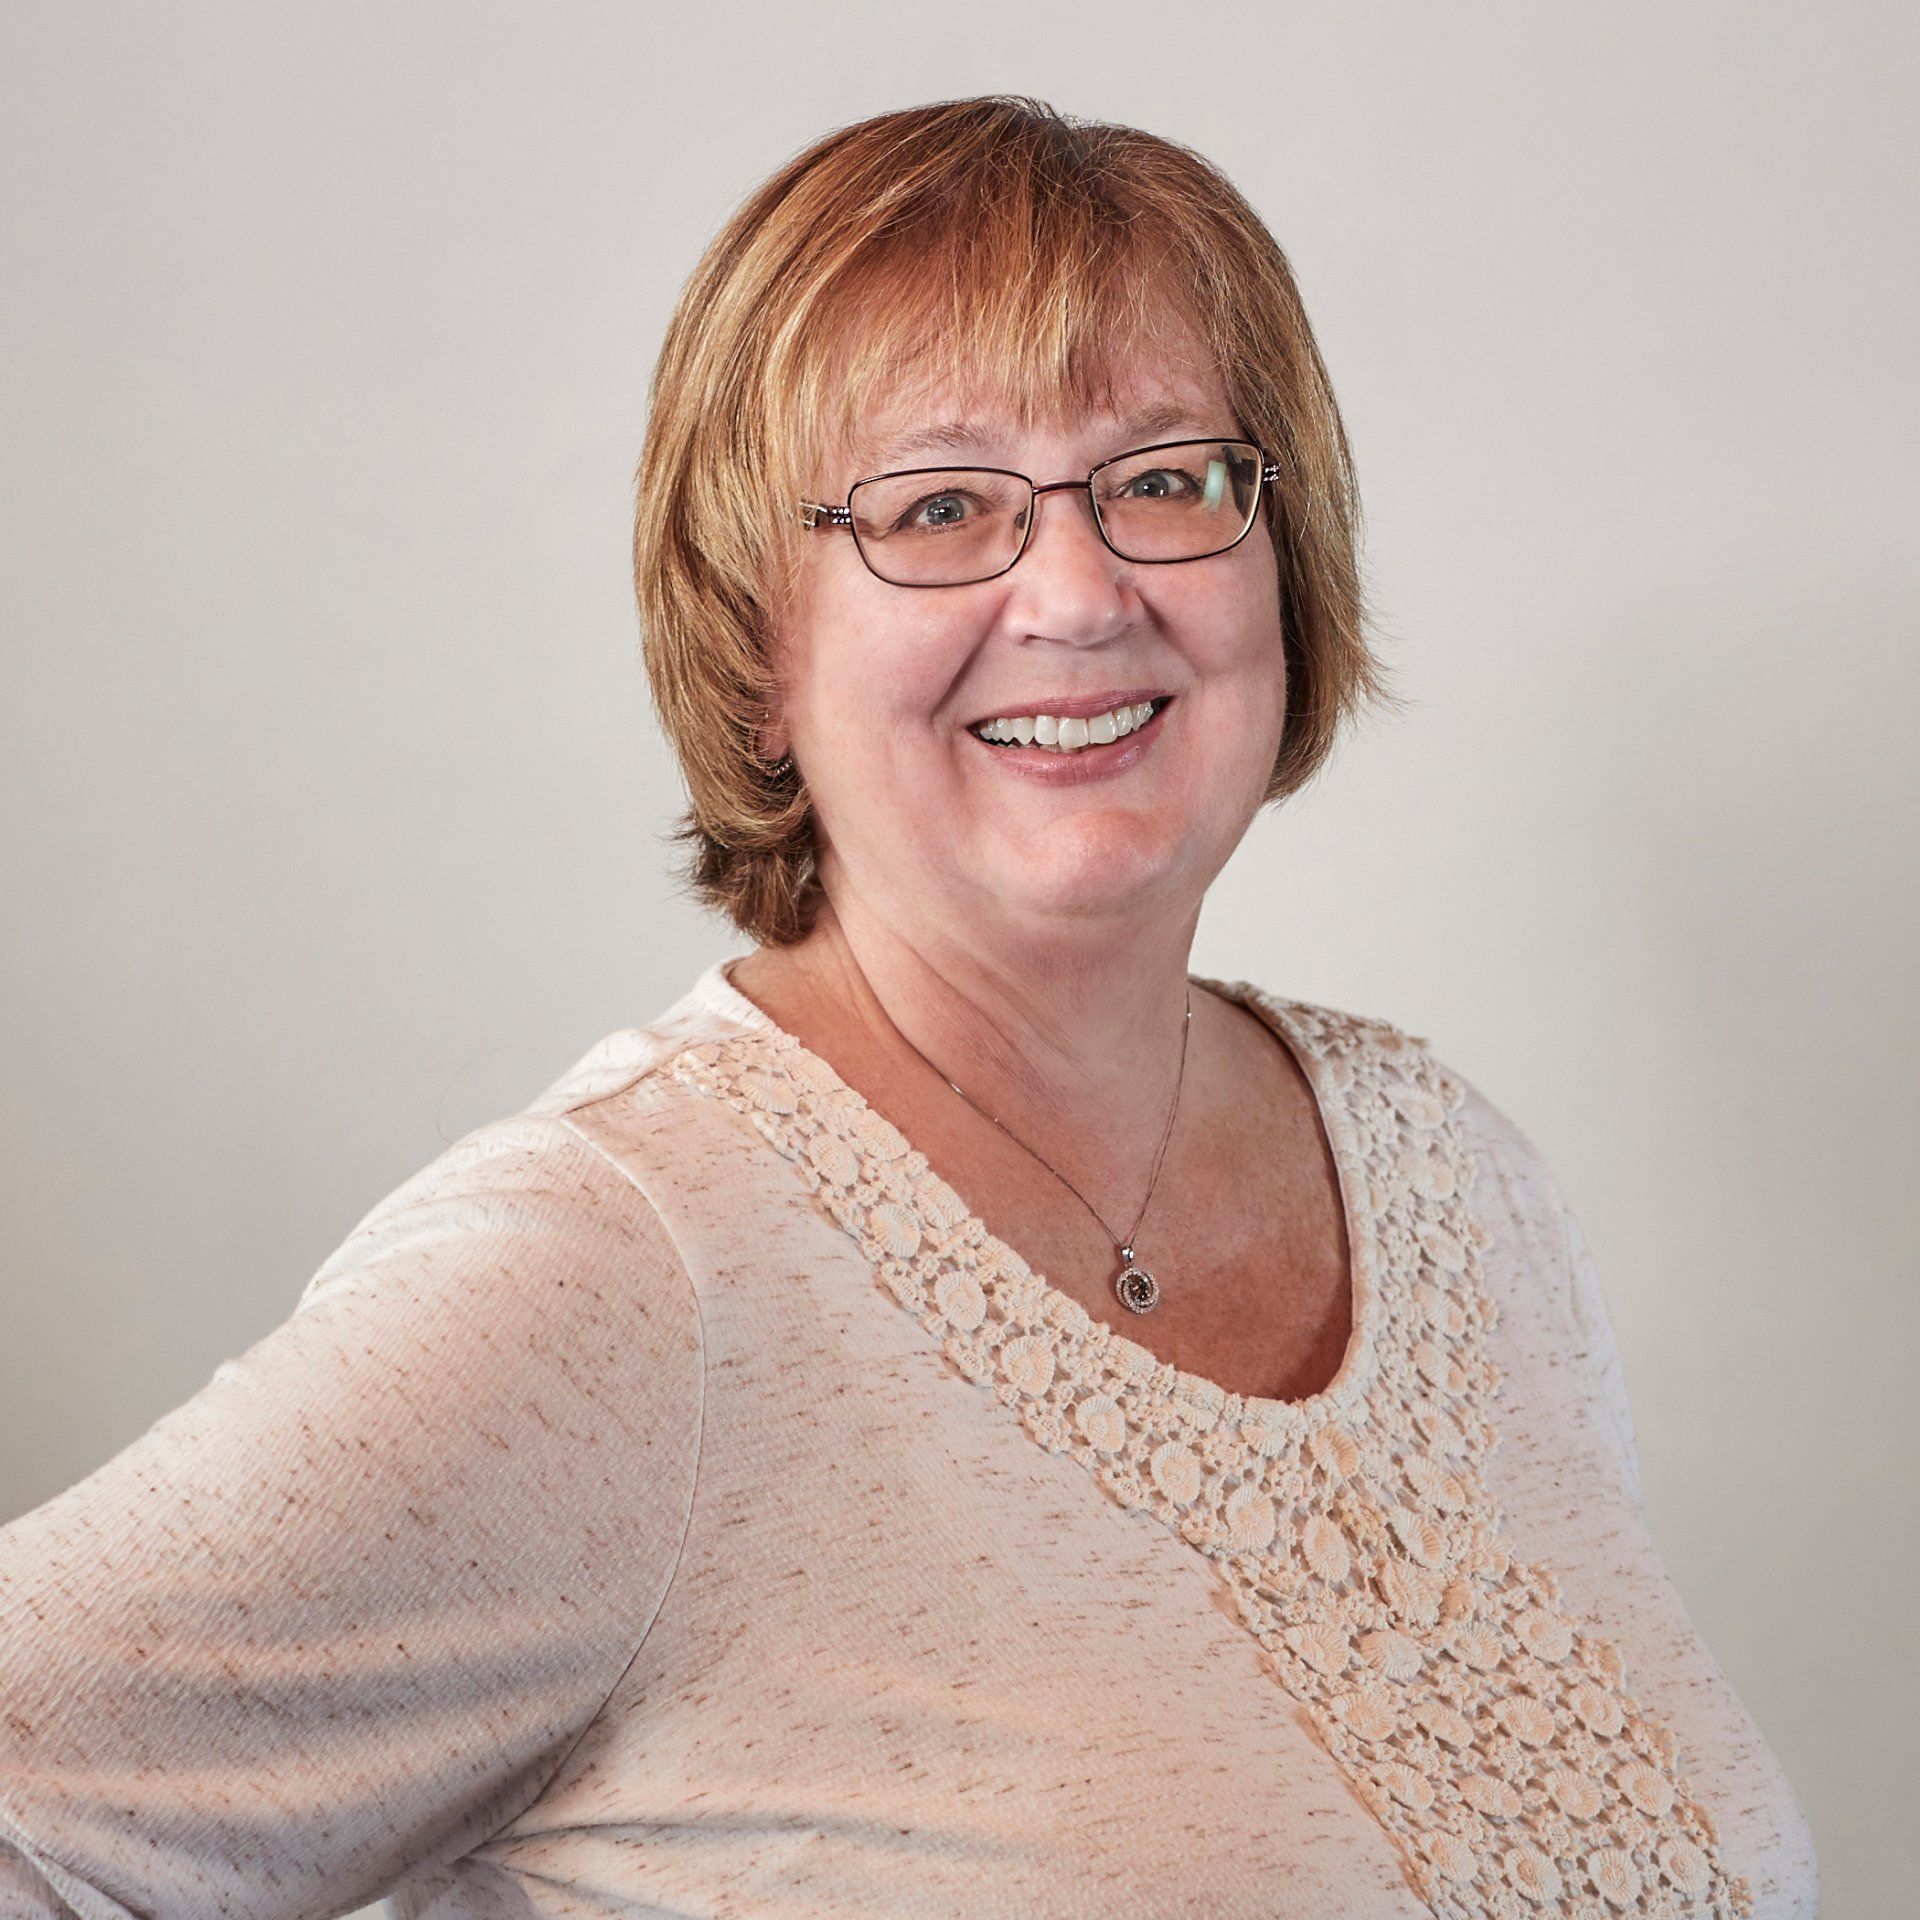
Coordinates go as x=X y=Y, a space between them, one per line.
x=1083 y=1042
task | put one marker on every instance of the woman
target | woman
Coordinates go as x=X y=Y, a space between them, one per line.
x=679 y=1497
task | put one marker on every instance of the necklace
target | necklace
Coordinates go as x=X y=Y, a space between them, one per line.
x=1137 y=1290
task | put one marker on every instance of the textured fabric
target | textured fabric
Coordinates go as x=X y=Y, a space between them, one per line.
x=672 y=1501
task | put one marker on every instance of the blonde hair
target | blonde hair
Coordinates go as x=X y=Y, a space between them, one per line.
x=995 y=240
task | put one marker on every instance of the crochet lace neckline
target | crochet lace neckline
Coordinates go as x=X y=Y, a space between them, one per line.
x=1339 y=1397
x=1489 y=1729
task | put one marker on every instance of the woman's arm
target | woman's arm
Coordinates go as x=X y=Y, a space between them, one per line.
x=343 y=1613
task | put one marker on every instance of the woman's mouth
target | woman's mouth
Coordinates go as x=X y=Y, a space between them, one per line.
x=1068 y=748
x=1061 y=734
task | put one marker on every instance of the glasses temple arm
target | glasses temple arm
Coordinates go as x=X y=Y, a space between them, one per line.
x=812 y=514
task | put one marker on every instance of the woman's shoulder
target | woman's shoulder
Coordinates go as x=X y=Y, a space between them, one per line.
x=556 y=1174
x=1552 y=1319
x=1425 y=1126
x=1399 y=1093
x=1404 y=1059
x=624 y=1100
x=710 y=1009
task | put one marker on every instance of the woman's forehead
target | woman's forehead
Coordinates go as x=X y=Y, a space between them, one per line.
x=971 y=414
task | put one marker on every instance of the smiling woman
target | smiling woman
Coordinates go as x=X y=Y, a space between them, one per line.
x=958 y=1415
x=943 y=282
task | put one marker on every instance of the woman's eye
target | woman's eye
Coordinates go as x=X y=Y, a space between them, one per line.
x=1160 y=483
x=940 y=509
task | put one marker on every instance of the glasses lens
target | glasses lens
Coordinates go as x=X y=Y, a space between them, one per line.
x=1181 y=502
x=941 y=528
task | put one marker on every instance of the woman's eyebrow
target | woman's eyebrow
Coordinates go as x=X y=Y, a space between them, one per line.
x=952 y=436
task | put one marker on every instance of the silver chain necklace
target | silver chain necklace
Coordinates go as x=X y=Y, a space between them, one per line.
x=1137 y=1290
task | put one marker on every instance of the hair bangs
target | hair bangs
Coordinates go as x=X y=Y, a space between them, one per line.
x=1029 y=332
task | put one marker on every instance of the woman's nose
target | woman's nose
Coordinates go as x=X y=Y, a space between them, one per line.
x=1070 y=582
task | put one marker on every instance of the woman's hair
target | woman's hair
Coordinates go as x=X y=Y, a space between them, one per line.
x=996 y=241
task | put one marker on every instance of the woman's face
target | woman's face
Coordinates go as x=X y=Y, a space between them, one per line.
x=936 y=829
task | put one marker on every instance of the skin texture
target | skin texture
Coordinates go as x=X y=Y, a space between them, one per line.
x=1033 y=940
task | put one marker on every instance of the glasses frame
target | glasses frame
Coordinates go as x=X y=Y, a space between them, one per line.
x=814 y=514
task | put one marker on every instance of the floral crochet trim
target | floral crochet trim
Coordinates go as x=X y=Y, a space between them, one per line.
x=1488 y=1731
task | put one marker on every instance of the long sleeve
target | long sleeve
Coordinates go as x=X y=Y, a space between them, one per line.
x=341 y=1615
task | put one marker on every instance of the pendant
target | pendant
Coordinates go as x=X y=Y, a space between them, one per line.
x=1139 y=1291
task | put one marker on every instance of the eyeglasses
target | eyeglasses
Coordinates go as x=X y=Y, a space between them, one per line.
x=953 y=526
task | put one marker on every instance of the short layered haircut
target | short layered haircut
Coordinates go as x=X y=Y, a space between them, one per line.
x=992 y=241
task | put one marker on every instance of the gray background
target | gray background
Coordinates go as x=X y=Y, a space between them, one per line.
x=334 y=798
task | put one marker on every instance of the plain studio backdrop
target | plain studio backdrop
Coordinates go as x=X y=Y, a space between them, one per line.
x=335 y=802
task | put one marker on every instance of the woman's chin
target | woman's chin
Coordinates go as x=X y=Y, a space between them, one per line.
x=1083 y=874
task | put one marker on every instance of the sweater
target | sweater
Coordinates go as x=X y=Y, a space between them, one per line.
x=674 y=1501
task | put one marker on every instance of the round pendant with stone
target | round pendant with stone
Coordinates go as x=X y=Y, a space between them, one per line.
x=1139 y=1291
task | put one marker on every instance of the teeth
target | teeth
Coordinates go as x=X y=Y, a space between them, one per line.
x=1067 y=736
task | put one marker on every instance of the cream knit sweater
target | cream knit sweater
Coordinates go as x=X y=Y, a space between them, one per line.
x=673 y=1502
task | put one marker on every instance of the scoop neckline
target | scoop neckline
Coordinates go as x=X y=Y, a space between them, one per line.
x=1358 y=1363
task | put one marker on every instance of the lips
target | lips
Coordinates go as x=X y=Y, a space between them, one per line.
x=1072 y=706
x=1051 y=767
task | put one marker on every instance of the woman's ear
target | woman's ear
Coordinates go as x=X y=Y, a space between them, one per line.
x=770 y=738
